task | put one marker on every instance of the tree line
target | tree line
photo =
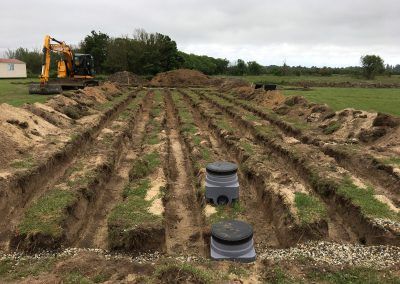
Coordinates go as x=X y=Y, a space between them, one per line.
x=150 y=53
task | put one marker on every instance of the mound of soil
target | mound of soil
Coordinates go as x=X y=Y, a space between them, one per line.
x=181 y=78
x=127 y=78
x=21 y=130
x=96 y=94
x=111 y=89
x=48 y=113
x=233 y=84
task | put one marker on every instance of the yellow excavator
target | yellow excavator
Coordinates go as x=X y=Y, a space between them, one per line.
x=74 y=71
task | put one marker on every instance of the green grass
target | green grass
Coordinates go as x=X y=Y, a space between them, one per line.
x=17 y=269
x=133 y=212
x=47 y=213
x=17 y=94
x=226 y=212
x=185 y=271
x=309 y=208
x=286 y=80
x=26 y=163
x=332 y=127
x=138 y=188
x=144 y=166
x=364 y=198
x=392 y=161
x=353 y=275
x=382 y=100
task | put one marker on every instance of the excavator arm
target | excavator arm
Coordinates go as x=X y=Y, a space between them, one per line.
x=65 y=67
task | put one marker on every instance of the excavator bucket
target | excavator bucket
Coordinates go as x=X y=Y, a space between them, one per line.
x=45 y=89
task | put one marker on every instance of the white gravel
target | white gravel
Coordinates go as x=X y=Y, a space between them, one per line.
x=338 y=254
x=320 y=252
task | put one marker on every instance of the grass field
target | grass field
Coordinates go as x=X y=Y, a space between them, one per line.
x=382 y=100
x=287 y=80
x=15 y=92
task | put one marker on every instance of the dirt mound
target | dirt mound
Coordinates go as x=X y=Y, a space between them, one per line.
x=95 y=93
x=233 y=84
x=127 y=78
x=21 y=130
x=110 y=88
x=181 y=78
x=48 y=113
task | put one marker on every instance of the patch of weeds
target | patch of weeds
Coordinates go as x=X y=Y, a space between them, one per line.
x=238 y=271
x=185 y=272
x=248 y=147
x=100 y=278
x=309 y=208
x=278 y=276
x=227 y=212
x=251 y=117
x=354 y=275
x=76 y=277
x=196 y=140
x=137 y=188
x=205 y=153
x=132 y=212
x=46 y=214
x=144 y=166
x=332 y=127
x=392 y=160
x=74 y=137
x=266 y=131
x=223 y=124
x=14 y=270
x=26 y=163
x=365 y=199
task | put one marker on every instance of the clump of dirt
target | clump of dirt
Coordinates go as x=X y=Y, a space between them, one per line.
x=127 y=78
x=181 y=78
x=386 y=120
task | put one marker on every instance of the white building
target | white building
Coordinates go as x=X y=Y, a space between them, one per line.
x=12 y=68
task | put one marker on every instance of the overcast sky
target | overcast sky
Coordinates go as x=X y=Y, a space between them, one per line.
x=305 y=32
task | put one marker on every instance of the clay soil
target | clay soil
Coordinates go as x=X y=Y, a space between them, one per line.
x=308 y=175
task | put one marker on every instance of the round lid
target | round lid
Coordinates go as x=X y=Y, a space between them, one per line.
x=232 y=231
x=222 y=168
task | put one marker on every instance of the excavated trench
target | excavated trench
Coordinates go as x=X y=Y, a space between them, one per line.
x=24 y=189
x=374 y=172
x=184 y=222
x=80 y=221
x=355 y=223
x=250 y=191
x=93 y=230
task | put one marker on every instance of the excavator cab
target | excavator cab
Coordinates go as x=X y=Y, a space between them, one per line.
x=83 y=65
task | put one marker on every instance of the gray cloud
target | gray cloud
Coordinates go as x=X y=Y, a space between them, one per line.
x=308 y=32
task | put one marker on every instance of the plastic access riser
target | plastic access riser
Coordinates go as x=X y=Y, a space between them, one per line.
x=222 y=184
x=232 y=240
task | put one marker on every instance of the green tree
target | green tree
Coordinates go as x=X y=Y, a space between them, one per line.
x=254 y=68
x=33 y=59
x=372 y=65
x=96 y=44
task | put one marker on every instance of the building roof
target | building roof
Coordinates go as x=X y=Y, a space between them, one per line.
x=15 y=61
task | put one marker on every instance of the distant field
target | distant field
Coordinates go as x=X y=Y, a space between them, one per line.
x=15 y=92
x=287 y=80
x=382 y=100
